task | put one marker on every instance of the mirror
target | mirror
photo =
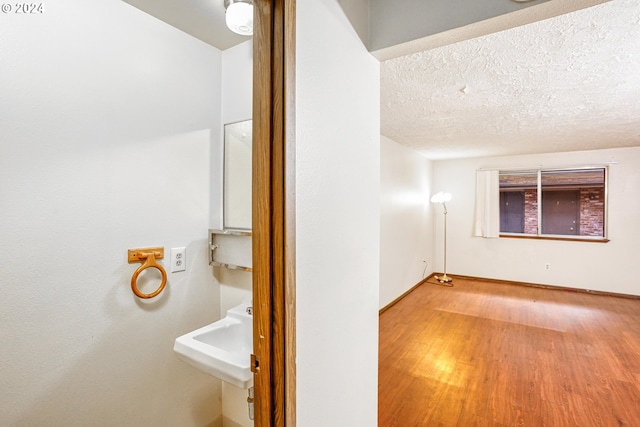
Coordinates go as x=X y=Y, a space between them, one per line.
x=237 y=175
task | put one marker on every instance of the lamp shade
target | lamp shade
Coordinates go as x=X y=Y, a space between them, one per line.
x=239 y=18
x=441 y=197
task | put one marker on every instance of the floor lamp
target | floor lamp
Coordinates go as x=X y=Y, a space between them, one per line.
x=443 y=198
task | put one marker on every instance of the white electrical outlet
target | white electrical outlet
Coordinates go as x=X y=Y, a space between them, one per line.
x=547 y=266
x=178 y=259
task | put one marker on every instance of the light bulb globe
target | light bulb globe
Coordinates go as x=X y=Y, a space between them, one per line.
x=239 y=18
x=441 y=197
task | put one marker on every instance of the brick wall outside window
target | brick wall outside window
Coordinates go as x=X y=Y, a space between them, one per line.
x=592 y=211
x=531 y=212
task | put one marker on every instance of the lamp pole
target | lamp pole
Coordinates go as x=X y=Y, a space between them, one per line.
x=443 y=198
x=444 y=278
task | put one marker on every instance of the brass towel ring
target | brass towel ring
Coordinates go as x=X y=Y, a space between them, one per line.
x=149 y=256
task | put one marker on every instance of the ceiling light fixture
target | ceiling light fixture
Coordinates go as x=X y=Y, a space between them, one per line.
x=239 y=16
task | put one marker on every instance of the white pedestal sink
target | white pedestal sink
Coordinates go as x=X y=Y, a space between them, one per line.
x=223 y=348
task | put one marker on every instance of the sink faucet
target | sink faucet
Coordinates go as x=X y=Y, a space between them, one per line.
x=250 y=311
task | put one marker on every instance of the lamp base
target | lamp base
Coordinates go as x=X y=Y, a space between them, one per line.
x=444 y=279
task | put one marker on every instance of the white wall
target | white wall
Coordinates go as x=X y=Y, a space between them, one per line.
x=237 y=96
x=406 y=223
x=106 y=121
x=237 y=83
x=235 y=285
x=597 y=266
x=338 y=220
x=237 y=103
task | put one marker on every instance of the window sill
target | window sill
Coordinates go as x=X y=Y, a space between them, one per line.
x=564 y=238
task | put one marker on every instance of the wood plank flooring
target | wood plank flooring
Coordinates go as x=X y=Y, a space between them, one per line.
x=484 y=354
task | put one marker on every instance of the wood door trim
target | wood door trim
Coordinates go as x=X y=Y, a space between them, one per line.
x=274 y=212
x=289 y=60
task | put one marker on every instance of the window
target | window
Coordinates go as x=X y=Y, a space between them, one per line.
x=568 y=203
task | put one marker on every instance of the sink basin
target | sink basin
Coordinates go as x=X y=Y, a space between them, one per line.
x=223 y=348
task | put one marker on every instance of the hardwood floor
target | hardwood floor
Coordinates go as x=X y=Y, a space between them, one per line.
x=492 y=354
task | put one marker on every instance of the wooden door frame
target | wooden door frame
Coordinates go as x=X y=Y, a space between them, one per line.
x=273 y=359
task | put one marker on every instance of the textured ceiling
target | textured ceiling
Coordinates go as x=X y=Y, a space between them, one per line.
x=563 y=84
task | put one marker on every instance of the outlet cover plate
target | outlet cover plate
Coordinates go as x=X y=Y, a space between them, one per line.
x=178 y=259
